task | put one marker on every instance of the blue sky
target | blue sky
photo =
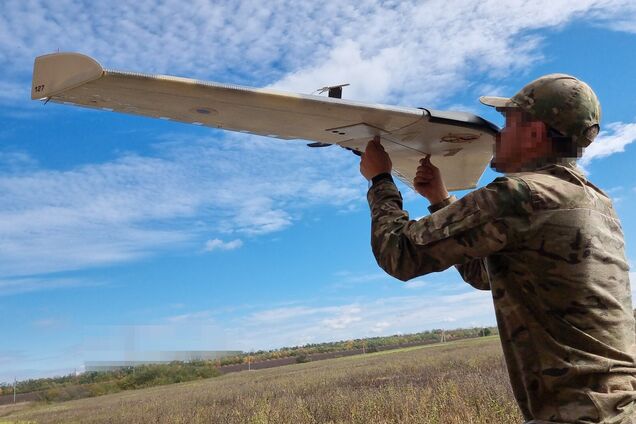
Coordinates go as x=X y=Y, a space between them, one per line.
x=122 y=235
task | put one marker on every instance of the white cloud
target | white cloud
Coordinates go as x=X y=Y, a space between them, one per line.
x=16 y=162
x=282 y=314
x=619 y=19
x=302 y=323
x=616 y=193
x=396 y=51
x=217 y=244
x=610 y=141
x=379 y=327
x=11 y=286
x=138 y=205
x=201 y=316
x=401 y=54
x=15 y=92
x=258 y=216
x=345 y=317
x=416 y=284
x=371 y=78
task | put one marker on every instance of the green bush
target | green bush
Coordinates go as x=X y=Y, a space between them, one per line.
x=302 y=358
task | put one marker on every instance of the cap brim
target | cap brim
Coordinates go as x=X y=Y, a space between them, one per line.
x=497 y=101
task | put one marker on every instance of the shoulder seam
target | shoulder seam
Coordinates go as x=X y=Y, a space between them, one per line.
x=531 y=193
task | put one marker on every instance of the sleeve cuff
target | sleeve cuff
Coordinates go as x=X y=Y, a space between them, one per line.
x=440 y=205
x=381 y=177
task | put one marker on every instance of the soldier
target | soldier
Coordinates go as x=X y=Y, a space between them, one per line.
x=544 y=240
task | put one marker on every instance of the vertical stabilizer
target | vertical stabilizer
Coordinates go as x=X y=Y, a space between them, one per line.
x=58 y=72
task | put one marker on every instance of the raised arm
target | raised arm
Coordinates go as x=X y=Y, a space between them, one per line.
x=470 y=228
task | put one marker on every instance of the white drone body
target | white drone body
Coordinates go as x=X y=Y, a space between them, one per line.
x=460 y=144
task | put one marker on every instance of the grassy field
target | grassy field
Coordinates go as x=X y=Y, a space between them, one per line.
x=457 y=382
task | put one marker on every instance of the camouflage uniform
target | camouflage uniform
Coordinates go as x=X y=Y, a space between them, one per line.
x=549 y=246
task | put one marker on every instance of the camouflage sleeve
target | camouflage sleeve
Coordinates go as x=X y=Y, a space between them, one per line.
x=475 y=226
x=474 y=273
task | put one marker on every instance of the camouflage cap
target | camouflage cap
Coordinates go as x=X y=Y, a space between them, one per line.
x=563 y=102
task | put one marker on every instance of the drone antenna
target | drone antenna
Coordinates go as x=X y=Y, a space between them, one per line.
x=334 y=91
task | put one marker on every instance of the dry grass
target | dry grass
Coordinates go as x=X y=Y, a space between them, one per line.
x=459 y=382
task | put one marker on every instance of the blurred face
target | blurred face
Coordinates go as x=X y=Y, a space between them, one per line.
x=520 y=142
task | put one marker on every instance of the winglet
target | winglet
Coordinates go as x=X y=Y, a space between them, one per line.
x=57 y=72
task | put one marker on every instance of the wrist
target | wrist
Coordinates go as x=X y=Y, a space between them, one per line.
x=438 y=197
x=434 y=207
x=380 y=177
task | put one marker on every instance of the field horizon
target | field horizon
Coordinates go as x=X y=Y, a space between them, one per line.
x=454 y=382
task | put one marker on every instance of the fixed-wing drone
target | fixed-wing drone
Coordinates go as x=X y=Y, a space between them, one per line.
x=460 y=144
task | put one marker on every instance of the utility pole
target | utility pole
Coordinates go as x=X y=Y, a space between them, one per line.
x=15 y=382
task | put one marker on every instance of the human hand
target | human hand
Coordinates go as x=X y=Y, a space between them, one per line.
x=374 y=161
x=428 y=181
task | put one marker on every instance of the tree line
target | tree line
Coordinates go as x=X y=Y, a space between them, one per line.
x=97 y=383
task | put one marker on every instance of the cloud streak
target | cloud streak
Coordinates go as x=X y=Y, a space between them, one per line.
x=218 y=244
x=613 y=140
x=388 y=51
x=420 y=54
x=13 y=286
x=299 y=324
x=136 y=205
x=139 y=205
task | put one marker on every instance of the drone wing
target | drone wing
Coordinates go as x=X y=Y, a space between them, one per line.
x=460 y=143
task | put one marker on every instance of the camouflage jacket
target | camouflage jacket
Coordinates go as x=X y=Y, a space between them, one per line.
x=549 y=246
